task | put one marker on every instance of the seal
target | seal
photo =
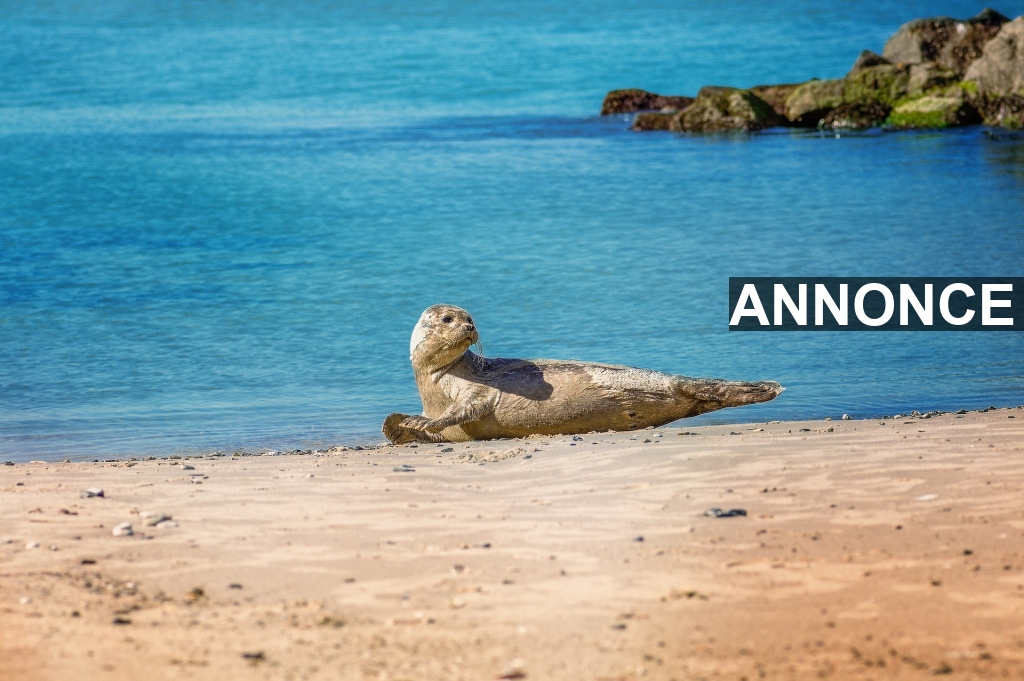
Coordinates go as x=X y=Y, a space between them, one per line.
x=469 y=397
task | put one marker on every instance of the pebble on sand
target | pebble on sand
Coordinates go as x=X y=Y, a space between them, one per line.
x=153 y=518
x=91 y=492
x=32 y=545
x=514 y=670
x=123 y=530
x=731 y=513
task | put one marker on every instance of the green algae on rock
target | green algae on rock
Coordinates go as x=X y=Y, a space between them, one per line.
x=885 y=83
x=718 y=109
x=944 y=109
x=633 y=100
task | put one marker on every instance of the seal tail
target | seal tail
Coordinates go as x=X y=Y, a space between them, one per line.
x=711 y=394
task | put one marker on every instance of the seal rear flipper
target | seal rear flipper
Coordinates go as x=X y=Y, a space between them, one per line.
x=711 y=394
x=398 y=434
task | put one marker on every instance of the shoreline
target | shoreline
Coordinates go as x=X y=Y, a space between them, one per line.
x=321 y=449
x=883 y=548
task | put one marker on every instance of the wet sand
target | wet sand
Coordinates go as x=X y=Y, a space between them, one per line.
x=870 y=550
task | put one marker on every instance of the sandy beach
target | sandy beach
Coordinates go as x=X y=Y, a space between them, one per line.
x=869 y=550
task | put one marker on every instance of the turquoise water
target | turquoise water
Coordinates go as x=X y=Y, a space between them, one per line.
x=218 y=223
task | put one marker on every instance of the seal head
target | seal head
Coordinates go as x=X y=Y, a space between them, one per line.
x=442 y=334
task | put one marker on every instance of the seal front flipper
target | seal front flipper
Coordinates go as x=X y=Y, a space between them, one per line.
x=472 y=407
x=397 y=433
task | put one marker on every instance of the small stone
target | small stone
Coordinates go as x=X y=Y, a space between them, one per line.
x=52 y=547
x=32 y=545
x=731 y=513
x=254 y=657
x=514 y=670
x=123 y=530
x=447 y=449
x=828 y=418
x=91 y=492
x=847 y=417
x=638 y=538
x=234 y=586
x=153 y=518
x=24 y=600
x=166 y=524
x=186 y=467
x=120 y=621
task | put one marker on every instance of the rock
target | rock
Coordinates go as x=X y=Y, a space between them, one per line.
x=731 y=513
x=856 y=116
x=868 y=59
x=810 y=103
x=123 y=530
x=930 y=75
x=947 y=109
x=166 y=524
x=633 y=100
x=153 y=518
x=1000 y=70
x=885 y=84
x=951 y=42
x=847 y=417
x=1006 y=112
x=717 y=109
x=91 y=492
x=651 y=121
x=32 y=545
x=775 y=95
x=186 y=467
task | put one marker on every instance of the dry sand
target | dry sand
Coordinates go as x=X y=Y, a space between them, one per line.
x=870 y=550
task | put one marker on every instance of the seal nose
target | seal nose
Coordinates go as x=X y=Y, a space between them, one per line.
x=469 y=327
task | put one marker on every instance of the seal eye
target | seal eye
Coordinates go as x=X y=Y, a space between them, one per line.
x=447 y=319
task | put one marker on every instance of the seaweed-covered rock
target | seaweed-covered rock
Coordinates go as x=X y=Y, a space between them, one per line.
x=776 y=95
x=630 y=101
x=724 y=108
x=942 y=109
x=652 y=120
x=812 y=101
x=951 y=42
x=885 y=83
x=1000 y=70
x=868 y=58
x=928 y=76
x=856 y=116
x=1006 y=112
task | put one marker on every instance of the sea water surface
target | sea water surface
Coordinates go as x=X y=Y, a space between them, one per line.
x=220 y=221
